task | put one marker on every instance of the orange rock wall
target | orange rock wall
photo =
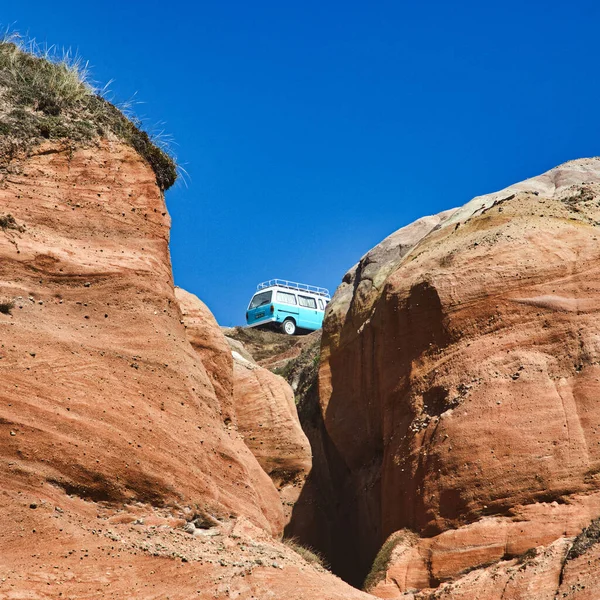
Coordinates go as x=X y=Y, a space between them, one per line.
x=205 y=336
x=117 y=425
x=268 y=421
x=255 y=402
x=465 y=385
x=98 y=383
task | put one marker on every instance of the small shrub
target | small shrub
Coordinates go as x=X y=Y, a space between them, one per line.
x=585 y=195
x=48 y=96
x=527 y=556
x=382 y=560
x=447 y=260
x=6 y=307
x=589 y=537
x=308 y=554
x=8 y=222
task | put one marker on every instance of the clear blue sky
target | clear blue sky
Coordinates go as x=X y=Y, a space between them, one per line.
x=311 y=130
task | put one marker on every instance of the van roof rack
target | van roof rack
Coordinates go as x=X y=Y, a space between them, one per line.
x=294 y=285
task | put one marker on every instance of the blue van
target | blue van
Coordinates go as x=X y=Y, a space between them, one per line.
x=288 y=306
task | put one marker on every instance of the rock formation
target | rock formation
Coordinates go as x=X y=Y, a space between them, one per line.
x=94 y=344
x=205 y=336
x=122 y=473
x=459 y=379
x=268 y=422
x=259 y=404
x=454 y=423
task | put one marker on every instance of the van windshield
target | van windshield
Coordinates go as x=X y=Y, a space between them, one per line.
x=260 y=299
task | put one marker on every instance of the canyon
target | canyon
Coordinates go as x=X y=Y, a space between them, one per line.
x=440 y=438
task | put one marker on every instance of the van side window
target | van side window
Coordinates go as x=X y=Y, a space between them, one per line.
x=321 y=307
x=286 y=298
x=307 y=302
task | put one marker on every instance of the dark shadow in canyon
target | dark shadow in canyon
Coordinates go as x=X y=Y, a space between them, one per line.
x=339 y=512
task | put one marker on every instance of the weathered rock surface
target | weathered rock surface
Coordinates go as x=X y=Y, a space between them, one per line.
x=268 y=422
x=205 y=336
x=544 y=573
x=459 y=381
x=114 y=434
x=260 y=405
x=71 y=548
x=270 y=349
x=94 y=348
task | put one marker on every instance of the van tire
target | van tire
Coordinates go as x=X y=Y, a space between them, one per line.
x=288 y=327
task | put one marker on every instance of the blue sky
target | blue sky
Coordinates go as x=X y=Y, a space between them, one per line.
x=312 y=130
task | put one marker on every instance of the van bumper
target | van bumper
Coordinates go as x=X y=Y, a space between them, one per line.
x=261 y=322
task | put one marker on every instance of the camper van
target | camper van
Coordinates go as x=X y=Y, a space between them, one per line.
x=287 y=305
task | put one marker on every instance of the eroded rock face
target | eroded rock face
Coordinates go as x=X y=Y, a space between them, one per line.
x=94 y=348
x=268 y=421
x=460 y=388
x=113 y=433
x=543 y=573
x=205 y=336
x=259 y=404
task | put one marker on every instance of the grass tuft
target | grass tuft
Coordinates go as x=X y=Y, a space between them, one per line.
x=45 y=94
x=6 y=306
x=382 y=560
x=308 y=554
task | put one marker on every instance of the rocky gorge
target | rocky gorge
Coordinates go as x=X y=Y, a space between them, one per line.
x=458 y=400
x=439 y=439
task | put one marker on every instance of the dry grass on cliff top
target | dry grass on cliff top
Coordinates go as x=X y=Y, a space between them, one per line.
x=382 y=561
x=308 y=554
x=44 y=96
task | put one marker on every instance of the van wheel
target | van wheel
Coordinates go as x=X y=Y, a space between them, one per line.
x=289 y=327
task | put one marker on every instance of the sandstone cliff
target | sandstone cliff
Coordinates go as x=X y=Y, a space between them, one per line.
x=259 y=404
x=458 y=387
x=122 y=473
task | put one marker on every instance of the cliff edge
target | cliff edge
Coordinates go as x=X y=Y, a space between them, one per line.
x=122 y=471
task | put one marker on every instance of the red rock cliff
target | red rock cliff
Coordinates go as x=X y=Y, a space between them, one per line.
x=114 y=433
x=258 y=404
x=94 y=348
x=459 y=384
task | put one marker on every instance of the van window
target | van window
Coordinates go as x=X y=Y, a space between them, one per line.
x=321 y=307
x=260 y=299
x=307 y=302
x=286 y=298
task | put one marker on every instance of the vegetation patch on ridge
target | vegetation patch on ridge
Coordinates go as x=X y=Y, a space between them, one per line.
x=45 y=97
x=382 y=560
x=589 y=537
x=308 y=554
